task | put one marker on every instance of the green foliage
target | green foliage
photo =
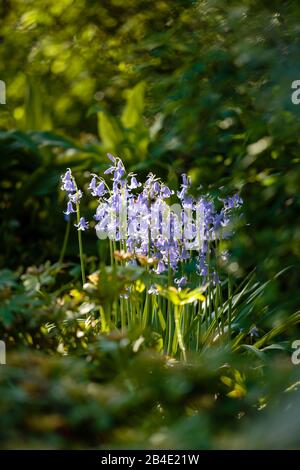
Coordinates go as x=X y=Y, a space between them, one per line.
x=128 y=135
x=117 y=396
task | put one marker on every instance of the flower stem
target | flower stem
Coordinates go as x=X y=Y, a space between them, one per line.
x=65 y=242
x=80 y=245
x=178 y=331
x=229 y=306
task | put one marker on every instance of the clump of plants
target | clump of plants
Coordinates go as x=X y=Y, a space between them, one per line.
x=166 y=250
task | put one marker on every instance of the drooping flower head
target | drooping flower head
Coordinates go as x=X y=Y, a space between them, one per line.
x=68 y=182
x=70 y=209
x=117 y=169
x=74 y=196
x=181 y=282
x=82 y=224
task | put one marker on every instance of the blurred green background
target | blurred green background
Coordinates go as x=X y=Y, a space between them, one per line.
x=168 y=86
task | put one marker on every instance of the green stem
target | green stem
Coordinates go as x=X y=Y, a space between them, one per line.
x=146 y=312
x=80 y=245
x=178 y=331
x=123 y=315
x=65 y=242
x=111 y=253
x=229 y=307
x=169 y=334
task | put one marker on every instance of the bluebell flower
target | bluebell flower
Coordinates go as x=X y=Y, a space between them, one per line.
x=156 y=186
x=188 y=202
x=134 y=183
x=155 y=189
x=202 y=267
x=233 y=202
x=70 y=209
x=184 y=254
x=142 y=199
x=67 y=176
x=100 y=190
x=68 y=186
x=68 y=182
x=92 y=185
x=75 y=197
x=153 y=290
x=254 y=332
x=215 y=278
x=165 y=192
x=111 y=157
x=181 y=282
x=82 y=225
x=110 y=170
x=119 y=171
x=219 y=219
x=160 y=267
x=181 y=193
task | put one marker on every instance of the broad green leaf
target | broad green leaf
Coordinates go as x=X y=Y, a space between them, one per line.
x=109 y=131
x=134 y=108
x=36 y=117
x=181 y=296
x=48 y=139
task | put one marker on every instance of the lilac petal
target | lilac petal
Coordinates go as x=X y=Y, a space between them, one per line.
x=111 y=157
x=92 y=185
x=184 y=179
x=156 y=187
x=109 y=170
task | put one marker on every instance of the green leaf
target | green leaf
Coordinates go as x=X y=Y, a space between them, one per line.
x=181 y=297
x=237 y=392
x=162 y=321
x=255 y=351
x=227 y=381
x=47 y=139
x=134 y=108
x=36 y=117
x=292 y=320
x=6 y=315
x=109 y=131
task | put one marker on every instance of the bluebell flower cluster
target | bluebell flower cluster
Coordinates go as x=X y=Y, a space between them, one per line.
x=146 y=222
